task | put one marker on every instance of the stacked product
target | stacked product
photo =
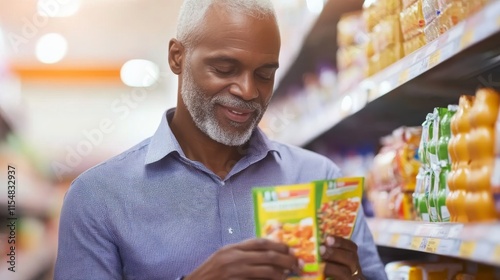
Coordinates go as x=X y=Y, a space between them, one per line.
x=353 y=50
x=381 y=18
x=443 y=269
x=412 y=25
x=432 y=190
x=392 y=179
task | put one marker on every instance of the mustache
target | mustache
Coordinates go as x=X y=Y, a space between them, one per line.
x=235 y=102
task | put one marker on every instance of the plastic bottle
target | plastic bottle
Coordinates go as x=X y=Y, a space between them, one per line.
x=459 y=154
x=442 y=194
x=483 y=115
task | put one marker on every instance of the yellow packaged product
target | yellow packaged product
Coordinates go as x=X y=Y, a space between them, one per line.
x=390 y=55
x=420 y=271
x=386 y=33
x=338 y=206
x=348 y=29
x=454 y=13
x=415 y=43
x=412 y=21
x=287 y=214
x=391 y=7
x=430 y=9
x=348 y=56
x=433 y=29
x=407 y=3
x=302 y=215
x=370 y=14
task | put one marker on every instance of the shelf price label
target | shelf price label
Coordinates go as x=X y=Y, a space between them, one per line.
x=496 y=254
x=448 y=246
x=415 y=243
x=434 y=59
x=467 y=249
x=394 y=240
x=404 y=241
x=404 y=76
x=432 y=245
x=467 y=38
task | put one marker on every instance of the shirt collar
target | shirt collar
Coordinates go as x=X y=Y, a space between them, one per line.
x=164 y=143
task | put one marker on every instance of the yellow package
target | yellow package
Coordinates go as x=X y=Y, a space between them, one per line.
x=414 y=44
x=433 y=29
x=339 y=204
x=386 y=33
x=348 y=29
x=287 y=214
x=371 y=14
x=430 y=8
x=412 y=21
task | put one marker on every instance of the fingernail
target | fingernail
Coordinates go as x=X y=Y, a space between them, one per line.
x=301 y=264
x=291 y=251
x=330 y=241
x=322 y=250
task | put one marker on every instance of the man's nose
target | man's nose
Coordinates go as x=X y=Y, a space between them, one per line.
x=244 y=87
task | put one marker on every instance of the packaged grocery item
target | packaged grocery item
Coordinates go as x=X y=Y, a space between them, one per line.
x=338 y=204
x=370 y=14
x=483 y=115
x=415 y=43
x=288 y=214
x=430 y=9
x=412 y=21
x=433 y=29
x=350 y=29
x=387 y=33
x=460 y=160
x=415 y=270
x=445 y=136
x=451 y=15
x=303 y=215
x=432 y=194
x=407 y=3
x=442 y=192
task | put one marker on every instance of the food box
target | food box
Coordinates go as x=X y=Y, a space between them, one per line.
x=302 y=215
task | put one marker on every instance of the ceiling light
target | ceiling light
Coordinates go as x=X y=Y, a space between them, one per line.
x=51 y=48
x=139 y=73
x=58 y=8
x=315 y=6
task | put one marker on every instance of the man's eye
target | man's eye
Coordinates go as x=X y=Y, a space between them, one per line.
x=265 y=76
x=224 y=71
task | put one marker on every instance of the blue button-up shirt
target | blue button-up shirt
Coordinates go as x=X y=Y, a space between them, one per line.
x=152 y=213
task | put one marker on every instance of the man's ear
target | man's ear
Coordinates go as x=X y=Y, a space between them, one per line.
x=176 y=53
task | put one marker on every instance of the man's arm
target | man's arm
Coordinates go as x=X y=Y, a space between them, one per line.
x=86 y=246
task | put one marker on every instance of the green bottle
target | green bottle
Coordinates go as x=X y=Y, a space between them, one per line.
x=432 y=197
x=443 y=191
x=445 y=135
x=419 y=190
x=423 y=197
x=431 y=144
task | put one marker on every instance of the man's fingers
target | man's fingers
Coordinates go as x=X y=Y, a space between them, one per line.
x=341 y=257
x=261 y=244
x=339 y=242
x=272 y=258
x=338 y=272
x=265 y=272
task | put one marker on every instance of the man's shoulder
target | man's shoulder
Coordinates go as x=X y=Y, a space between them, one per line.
x=298 y=155
x=114 y=167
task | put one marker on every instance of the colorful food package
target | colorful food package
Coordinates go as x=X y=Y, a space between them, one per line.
x=339 y=202
x=430 y=9
x=302 y=215
x=350 y=29
x=387 y=33
x=412 y=21
x=288 y=214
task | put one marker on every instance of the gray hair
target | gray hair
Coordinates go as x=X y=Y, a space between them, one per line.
x=193 y=13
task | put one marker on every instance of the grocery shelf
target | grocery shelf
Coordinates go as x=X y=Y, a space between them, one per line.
x=476 y=242
x=458 y=62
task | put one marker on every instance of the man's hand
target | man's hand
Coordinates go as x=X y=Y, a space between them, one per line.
x=341 y=259
x=250 y=259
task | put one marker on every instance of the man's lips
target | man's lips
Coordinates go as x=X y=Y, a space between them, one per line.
x=237 y=115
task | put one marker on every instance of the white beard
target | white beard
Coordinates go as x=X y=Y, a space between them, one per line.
x=203 y=111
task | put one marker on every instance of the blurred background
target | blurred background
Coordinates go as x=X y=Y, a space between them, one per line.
x=83 y=80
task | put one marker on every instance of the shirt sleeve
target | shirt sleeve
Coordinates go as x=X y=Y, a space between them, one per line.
x=86 y=248
x=369 y=259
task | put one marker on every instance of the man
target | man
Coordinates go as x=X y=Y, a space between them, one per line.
x=178 y=205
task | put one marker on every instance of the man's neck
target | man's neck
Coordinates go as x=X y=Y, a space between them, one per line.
x=197 y=146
